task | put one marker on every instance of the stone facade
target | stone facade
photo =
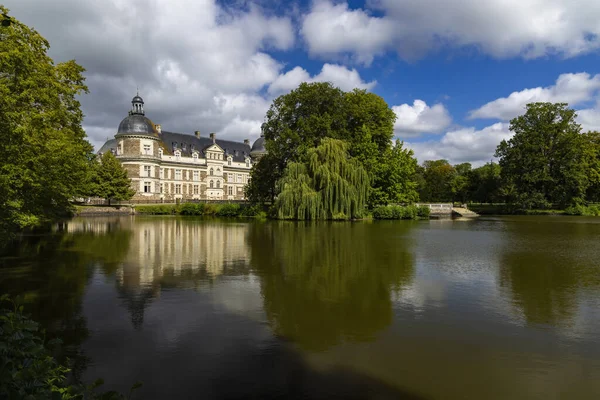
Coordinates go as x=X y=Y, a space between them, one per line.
x=169 y=166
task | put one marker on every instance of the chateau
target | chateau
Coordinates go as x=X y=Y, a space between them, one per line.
x=166 y=165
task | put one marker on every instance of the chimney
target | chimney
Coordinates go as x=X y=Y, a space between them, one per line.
x=158 y=128
x=247 y=142
x=197 y=133
x=213 y=136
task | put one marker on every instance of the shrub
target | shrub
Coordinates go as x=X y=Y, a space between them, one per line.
x=28 y=369
x=162 y=209
x=229 y=210
x=400 y=212
x=423 y=212
x=191 y=209
x=210 y=209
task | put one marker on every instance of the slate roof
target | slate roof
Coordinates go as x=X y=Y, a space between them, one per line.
x=110 y=144
x=188 y=143
x=137 y=123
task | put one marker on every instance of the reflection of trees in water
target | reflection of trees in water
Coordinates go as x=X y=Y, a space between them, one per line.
x=546 y=266
x=324 y=283
x=51 y=274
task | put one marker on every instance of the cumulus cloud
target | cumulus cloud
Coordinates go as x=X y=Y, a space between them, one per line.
x=330 y=29
x=463 y=145
x=589 y=118
x=569 y=88
x=198 y=65
x=340 y=76
x=500 y=28
x=420 y=118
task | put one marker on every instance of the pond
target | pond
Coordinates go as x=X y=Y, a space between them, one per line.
x=489 y=308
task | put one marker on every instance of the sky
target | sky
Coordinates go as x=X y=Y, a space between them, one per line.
x=454 y=72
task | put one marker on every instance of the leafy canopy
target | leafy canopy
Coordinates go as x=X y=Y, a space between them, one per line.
x=299 y=121
x=544 y=162
x=329 y=185
x=110 y=180
x=44 y=157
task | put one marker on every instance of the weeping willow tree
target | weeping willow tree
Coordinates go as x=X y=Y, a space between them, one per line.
x=328 y=185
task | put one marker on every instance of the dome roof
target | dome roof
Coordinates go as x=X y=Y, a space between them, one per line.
x=136 y=123
x=137 y=99
x=259 y=146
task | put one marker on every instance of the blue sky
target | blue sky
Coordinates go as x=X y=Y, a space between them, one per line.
x=454 y=72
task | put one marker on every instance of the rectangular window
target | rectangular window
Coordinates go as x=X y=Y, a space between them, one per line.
x=147 y=149
x=195 y=189
x=162 y=173
x=230 y=190
x=178 y=188
x=177 y=174
x=239 y=178
x=147 y=171
x=161 y=188
x=230 y=178
x=196 y=176
x=147 y=187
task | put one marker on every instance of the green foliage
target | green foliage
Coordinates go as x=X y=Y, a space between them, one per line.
x=299 y=121
x=329 y=185
x=485 y=184
x=395 y=178
x=436 y=181
x=203 y=209
x=545 y=161
x=229 y=210
x=110 y=180
x=400 y=212
x=162 y=209
x=589 y=211
x=44 y=157
x=28 y=369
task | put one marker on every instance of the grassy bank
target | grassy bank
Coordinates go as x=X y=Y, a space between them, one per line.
x=203 y=209
x=506 y=209
x=401 y=212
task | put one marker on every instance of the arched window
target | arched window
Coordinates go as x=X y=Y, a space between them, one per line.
x=212 y=184
x=218 y=184
x=212 y=172
x=218 y=170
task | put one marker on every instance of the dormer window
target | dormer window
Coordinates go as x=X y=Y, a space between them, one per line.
x=195 y=156
x=247 y=163
x=178 y=154
x=229 y=160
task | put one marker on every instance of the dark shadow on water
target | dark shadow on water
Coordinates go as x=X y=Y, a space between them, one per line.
x=281 y=374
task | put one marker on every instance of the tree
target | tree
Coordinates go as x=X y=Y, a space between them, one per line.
x=298 y=121
x=329 y=185
x=437 y=178
x=592 y=154
x=544 y=160
x=460 y=182
x=485 y=184
x=395 y=180
x=44 y=156
x=110 y=180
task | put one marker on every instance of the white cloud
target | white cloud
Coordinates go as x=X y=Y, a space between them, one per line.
x=590 y=118
x=330 y=29
x=569 y=88
x=340 y=76
x=500 y=28
x=463 y=145
x=420 y=118
x=198 y=65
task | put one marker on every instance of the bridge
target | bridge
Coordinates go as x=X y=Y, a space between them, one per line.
x=448 y=210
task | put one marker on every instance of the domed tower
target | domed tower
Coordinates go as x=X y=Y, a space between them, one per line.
x=258 y=149
x=137 y=149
